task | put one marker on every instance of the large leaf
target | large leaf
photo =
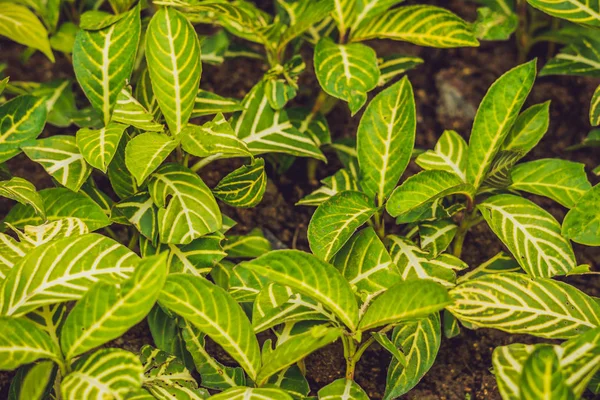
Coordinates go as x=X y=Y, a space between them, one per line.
x=24 y=192
x=413 y=199
x=516 y=303
x=385 y=139
x=105 y=374
x=449 y=154
x=580 y=11
x=266 y=130
x=243 y=187
x=345 y=389
x=146 y=152
x=18 y=23
x=582 y=222
x=405 y=301
x=421 y=25
x=63 y=270
x=367 y=9
x=531 y=234
x=563 y=181
x=107 y=310
x=542 y=377
x=32 y=383
x=11 y=252
x=22 y=342
x=496 y=114
x=312 y=277
x=60 y=203
x=420 y=342
x=98 y=147
x=335 y=220
x=347 y=72
x=103 y=60
x=580 y=58
x=173 y=54
x=242 y=393
x=38 y=235
x=366 y=264
x=21 y=119
x=191 y=210
x=215 y=313
x=295 y=349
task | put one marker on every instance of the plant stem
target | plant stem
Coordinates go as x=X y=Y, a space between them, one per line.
x=349 y=354
x=521 y=34
x=470 y=219
x=379 y=224
x=111 y=233
x=204 y=162
x=133 y=240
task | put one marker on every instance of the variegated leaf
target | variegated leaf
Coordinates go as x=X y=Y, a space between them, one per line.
x=542 y=377
x=22 y=342
x=344 y=14
x=24 y=192
x=21 y=120
x=499 y=264
x=141 y=212
x=437 y=235
x=146 y=152
x=390 y=67
x=313 y=124
x=191 y=210
x=98 y=147
x=121 y=180
x=66 y=227
x=528 y=129
x=595 y=108
x=208 y=103
x=242 y=393
x=580 y=58
x=531 y=234
x=11 y=251
x=215 y=138
x=582 y=222
x=243 y=187
x=343 y=389
x=245 y=284
x=517 y=303
x=251 y=245
x=18 y=23
x=339 y=182
x=129 y=111
x=579 y=11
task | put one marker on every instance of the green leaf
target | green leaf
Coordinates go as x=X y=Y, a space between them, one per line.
x=531 y=234
x=145 y=95
x=508 y=365
x=60 y=203
x=414 y=263
x=208 y=103
x=63 y=270
x=343 y=389
x=499 y=264
x=166 y=377
x=292 y=380
x=295 y=349
x=22 y=26
x=420 y=342
x=312 y=277
x=105 y=374
x=121 y=180
x=265 y=130
x=95 y=20
x=405 y=301
x=312 y=13
x=242 y=393
x=214 y=374
x=313 y=124
x=129 y=111
x=449 y=154
x=563 y=181
x=339 y=182
x=495 y=117
x=245 y=284
x=120 y=6
x=344 y=14
x=141 y=212
x=390 y=67
x=24 y=192
x=61 y=228
x=388 y=345
x=413 y=199
x=251 y=245
x=385 y=139
x=494 y=25
x=60 y=101
x=60 y=157
x=580 y=58
x=516 y=303
x=146 y=152
x=366 y=264
x=595 y=108
x=582 y=222
x=21 y=120
x=107 y=310
x=421 y=25
x=103 y=60
x=11 y=252
x=98 y=147
x=335 y=220
x=437 y=235
x=214 y=138
x=167 y=335
x=347 y=72
x=215 y=313
x=22 y=342
x=542 y=377
x=243 y=187
x=191 y=211
x=173 y=54
x=579 y=11
x=368 y=9
x=529 y=127
x=35 y=383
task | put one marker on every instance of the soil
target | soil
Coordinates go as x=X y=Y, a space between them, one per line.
x=462 y=368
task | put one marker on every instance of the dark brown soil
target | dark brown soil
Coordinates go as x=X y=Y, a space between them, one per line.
x=463 y=365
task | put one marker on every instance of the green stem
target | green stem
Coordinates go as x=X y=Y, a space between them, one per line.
x=112 y=234
x=349 y=354
x=364 y=346
x=133 y=240
x=379 y=224
x=204 y=162
x=470 y=219
x=521 y=34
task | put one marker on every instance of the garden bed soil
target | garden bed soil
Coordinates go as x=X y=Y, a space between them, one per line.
x=448 y=87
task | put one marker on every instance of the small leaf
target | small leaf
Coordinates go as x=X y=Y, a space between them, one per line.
x=343 y=389
x=24 y=192
x=531 y=234
x=215 y=137
x=215 y=313
x=405 y=301
x=22 y=342
x=529 y=127
x=107 y=373
x=141 y=212
x=243 y=187
x=582 y=222
x=347 y=72
x=313 y=124
x=339 y=182
x=121 y=180
x=21 y=120
x=450 y=155
x=146 y=152
x=495 y=117
x=35 y=383
x=312 y=277
x=208 y=103
x=573 y=10
x=251 y=245
x=242 y=393
x=437 y=235
x=21 y=25
x=173 y=54
x=387 y=344
x=129 y=111
x=499 y=264
x=98 y=147
x=542 y=377
x=579 y=58
x=335 y=220
x=390 y=67
x=494 y=25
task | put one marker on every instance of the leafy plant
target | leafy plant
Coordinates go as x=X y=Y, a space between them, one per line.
x=131 y=232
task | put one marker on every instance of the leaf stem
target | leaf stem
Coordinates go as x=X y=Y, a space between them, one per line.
x=469 y=220
x=349 y=354
x=112 y=234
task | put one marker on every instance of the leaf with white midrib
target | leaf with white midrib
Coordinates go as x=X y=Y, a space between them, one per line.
x=146 y=152
x=21 y=119
x=595 y=108
x=129 y=111
x=98 y=147
x=542 y=377
x=346 y=389
x=532 y=235
x=449 y=154
x=517 y=303
x=243 y=187
x=22 y=342
x=24 y=192
x=18 y=23
x=580 y=58
x=579 y=11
